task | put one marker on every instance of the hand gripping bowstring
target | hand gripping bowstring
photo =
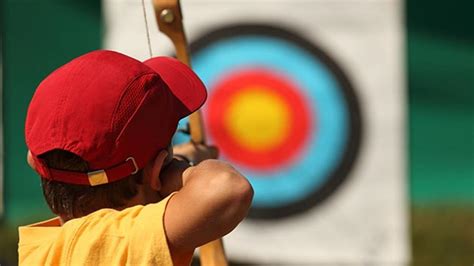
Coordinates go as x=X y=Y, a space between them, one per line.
x=170 y=22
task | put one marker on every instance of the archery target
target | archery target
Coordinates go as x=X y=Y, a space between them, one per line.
x=281 y=111
x=328 y=173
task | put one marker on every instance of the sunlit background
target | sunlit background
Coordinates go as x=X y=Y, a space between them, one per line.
x=353 y=119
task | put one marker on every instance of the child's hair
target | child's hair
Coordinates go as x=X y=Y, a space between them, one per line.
x=72 y=201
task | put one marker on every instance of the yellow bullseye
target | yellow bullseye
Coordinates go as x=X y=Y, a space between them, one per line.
x=257 y=119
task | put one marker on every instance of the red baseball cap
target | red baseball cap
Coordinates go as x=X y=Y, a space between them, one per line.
x=113 y=111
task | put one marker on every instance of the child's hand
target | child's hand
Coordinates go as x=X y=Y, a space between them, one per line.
x=171 y=176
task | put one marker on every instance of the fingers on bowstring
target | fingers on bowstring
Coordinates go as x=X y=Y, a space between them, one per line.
x=214 y=151
x=211 y=149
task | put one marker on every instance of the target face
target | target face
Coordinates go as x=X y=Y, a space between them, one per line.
x=281 y=111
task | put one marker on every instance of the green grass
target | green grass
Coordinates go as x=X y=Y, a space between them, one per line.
x=442 y=236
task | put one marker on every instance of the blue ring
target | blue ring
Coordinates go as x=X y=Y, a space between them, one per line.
x=324 y=151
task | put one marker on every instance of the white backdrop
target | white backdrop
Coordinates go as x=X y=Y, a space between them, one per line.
x=365 y=222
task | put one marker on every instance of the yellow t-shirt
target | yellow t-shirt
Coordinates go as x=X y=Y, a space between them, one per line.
x=133 y=236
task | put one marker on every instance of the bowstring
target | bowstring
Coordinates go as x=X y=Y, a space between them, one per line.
x=147 y=29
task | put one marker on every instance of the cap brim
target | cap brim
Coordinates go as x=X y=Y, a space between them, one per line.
x=182 y=82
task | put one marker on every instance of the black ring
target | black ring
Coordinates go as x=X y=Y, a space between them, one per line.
x=340 y=173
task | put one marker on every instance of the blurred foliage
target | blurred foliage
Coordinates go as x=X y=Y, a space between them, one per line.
x=448 y=19
x=440 y=67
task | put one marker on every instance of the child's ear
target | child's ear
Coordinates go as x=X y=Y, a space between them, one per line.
x=29 y=159
x=155 y=169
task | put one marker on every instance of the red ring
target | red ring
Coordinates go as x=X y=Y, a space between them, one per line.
x=219 y=101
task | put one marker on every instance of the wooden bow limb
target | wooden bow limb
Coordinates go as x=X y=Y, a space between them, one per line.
x=169 y=18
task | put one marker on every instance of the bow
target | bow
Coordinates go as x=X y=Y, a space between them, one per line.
x=169 y=18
